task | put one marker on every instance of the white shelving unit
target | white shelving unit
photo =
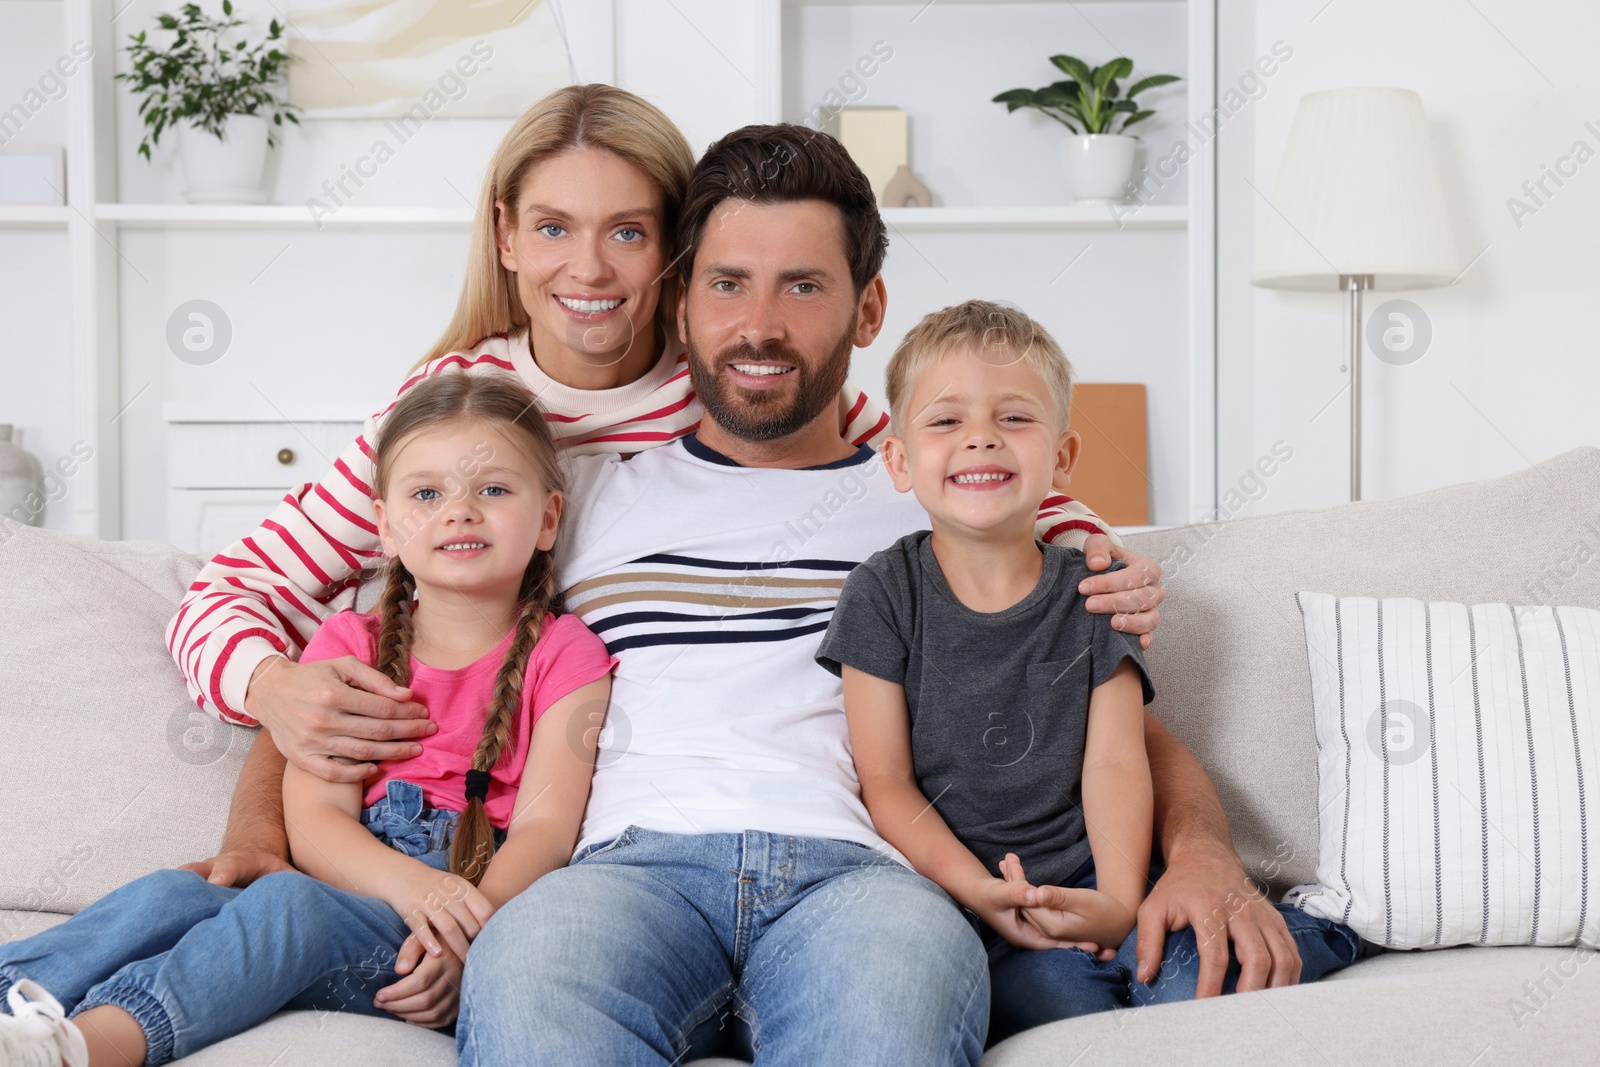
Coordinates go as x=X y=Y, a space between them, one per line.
x=101 y=228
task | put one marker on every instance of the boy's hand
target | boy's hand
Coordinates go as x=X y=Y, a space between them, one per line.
x=445 y=911
x=999 y=903
x=1079 y=918
x=1132 y=595
x=430 y=993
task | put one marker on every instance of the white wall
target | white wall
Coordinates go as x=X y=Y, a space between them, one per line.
x=1511 y=376
x=35 y=382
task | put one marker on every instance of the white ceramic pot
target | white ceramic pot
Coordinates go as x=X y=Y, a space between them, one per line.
x=226 y=171
x=21 y=481
x=1099 y=165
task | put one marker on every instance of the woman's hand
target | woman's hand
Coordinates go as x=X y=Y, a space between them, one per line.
x=445 y=911
x=1132 y=595
x=335 y=708
x=430 y=993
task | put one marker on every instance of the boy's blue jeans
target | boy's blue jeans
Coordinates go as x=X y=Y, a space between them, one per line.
x=195 y=963
x=824 y=951
x=1033 y=987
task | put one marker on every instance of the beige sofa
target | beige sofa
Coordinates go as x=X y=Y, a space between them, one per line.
x=109 y=772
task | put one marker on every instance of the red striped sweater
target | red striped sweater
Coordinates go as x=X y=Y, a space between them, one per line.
x=268 y=592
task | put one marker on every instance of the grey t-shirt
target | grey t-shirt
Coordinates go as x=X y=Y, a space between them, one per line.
x=999 y=701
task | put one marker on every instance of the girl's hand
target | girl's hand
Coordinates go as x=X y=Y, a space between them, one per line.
x=1082 y=918
x=430 y=993
x=444 y=911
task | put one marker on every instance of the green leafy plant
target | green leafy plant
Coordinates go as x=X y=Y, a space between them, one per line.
x=202 y=79
x=1091 y=100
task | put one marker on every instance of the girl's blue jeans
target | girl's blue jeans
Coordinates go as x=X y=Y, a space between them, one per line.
x=195 y=963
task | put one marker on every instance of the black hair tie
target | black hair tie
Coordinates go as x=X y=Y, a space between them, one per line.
x=477 y=785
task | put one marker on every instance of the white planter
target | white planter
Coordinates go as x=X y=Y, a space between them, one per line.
x=226 y=171
x=1098 y=165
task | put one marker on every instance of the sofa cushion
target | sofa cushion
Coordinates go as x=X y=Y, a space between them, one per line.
x=1448 y=1006
x=110 y=770
x=1452 y=743
x=1229 y=659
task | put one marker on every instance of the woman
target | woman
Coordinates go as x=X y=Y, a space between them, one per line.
x=571 y=287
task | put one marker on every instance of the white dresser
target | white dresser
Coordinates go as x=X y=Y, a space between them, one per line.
x=227 y=470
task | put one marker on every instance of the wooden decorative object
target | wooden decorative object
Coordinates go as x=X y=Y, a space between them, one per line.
x=1113 y=474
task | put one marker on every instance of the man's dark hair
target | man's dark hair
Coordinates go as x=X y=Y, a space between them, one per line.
x=779 y=164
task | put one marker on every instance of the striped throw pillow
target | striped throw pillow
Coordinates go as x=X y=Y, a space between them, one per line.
x=1457 y=749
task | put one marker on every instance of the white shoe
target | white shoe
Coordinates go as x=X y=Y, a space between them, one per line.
x=38 y=1033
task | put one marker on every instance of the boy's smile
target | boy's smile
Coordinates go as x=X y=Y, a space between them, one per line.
x=980 y=444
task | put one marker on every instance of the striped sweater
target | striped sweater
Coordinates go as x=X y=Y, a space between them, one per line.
x=267 y=593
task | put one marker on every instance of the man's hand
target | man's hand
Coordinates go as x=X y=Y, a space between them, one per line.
x=430 y=993
x=1215 y=896
x=335 y=707
x=237 y=867
x=1131 y=595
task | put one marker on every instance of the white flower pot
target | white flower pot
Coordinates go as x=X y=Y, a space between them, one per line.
x=1099 y=165
x=226 y=171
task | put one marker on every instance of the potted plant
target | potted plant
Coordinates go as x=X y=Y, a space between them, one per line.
x=219 y=90
x=1099 y=156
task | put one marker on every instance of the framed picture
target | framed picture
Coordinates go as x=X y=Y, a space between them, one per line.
x=424 y=58
x=32 y=174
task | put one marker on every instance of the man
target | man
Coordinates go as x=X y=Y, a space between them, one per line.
x=727 y=869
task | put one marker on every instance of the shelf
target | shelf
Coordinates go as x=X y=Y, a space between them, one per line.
x=33 y=216
x=279 y=216
x=1078 y=216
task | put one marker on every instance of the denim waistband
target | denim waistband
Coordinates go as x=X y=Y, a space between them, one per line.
x=401 y=820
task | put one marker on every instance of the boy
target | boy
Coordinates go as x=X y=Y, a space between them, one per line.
x=997 y=726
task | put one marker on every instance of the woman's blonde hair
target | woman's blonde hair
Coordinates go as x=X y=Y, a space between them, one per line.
x=578 y=116
x=495 y=401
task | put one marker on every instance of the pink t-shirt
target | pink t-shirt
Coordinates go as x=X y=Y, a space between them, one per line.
x=567 y=656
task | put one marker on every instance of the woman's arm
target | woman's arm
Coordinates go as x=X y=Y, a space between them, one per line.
x=880 y=739
x=552 y=794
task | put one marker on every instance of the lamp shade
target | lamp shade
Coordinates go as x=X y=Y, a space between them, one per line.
x=1358 y=193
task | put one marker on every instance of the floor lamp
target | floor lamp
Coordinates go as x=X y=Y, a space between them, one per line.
x=1358 y=207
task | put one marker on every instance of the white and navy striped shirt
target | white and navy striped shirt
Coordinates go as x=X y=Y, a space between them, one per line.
x=713 y=584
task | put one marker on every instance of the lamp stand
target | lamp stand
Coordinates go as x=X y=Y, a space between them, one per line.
x=1354 y=285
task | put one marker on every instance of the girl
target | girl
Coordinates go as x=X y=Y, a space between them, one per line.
x=468 y=503
x=571 y=286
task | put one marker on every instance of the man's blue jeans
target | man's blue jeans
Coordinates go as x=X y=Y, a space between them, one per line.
x=1034 y=987
x=195 y=963
x=826 y=951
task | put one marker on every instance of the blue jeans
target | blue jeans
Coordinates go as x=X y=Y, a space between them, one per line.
x=1033 y=987
x=642 y=947
x=195 y=963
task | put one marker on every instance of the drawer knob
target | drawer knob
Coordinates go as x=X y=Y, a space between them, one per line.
x=286 y=456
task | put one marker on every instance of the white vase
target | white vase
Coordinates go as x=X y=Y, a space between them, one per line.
x=226 y=171
x=1099 y=165
x=21 y=481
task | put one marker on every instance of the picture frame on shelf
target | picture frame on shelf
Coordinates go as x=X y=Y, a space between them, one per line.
x=33 y=175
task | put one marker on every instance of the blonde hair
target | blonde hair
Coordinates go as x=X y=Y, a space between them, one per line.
x=505 y=405
x=577 y=116
x=989 y=329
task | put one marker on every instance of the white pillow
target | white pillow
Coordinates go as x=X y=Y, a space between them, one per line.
x=1453 y=745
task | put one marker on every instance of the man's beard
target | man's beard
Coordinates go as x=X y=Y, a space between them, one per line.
x=762 y=415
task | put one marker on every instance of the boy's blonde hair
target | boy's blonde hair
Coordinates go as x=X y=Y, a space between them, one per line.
x=995 y=332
